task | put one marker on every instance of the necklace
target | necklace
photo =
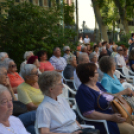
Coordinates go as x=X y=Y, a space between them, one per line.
x=10 y=129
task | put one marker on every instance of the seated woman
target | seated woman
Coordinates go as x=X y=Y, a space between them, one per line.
x=87 y=100
x=34 y=60
x=8 y=123
x=67 y=53
x=69 y=70
x=94 y=58
x=29 y=92
x=4 y=80
x=54 y=114
x=14 y=77
x=44 y=64
x=114 y=53
x=131 y=60
x=109 y=81
x=3 y=55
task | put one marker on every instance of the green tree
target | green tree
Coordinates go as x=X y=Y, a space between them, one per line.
x=27 y=27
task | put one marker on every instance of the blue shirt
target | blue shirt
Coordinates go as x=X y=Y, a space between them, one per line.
x=112 y=85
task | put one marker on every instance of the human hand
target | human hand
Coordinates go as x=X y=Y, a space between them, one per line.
x=117 y=118
x=129 y=92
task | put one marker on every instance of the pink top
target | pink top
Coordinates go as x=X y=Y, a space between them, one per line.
x=47 y=66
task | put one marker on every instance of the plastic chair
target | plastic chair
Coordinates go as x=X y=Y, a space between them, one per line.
x=86 y=119
x=117 y=73
x=127 y=85
x=128 y=74
x=69 y=80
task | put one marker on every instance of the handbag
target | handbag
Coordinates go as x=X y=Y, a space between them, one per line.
x=19 y=108
x=120 y=106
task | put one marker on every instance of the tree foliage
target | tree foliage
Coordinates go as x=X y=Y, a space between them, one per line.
x=27 y=27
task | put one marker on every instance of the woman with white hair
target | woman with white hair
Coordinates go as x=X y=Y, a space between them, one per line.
x=54 y=114
x=8 y=123
x=14 y=77
x=67 y=53
x=94 y=59
x=29 y=92
x=3 y=55
x=27 y=55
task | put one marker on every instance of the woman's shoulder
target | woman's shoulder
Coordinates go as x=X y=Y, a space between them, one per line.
x=14 y=119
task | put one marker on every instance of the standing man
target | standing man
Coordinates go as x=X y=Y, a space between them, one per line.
x=131 y=42
x=86 y=40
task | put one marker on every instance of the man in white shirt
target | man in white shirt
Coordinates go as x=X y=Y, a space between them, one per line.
x=57 y=61
x=119 y=59
x=87 y=40
x=82 y=58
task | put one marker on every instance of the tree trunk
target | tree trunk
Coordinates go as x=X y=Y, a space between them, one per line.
x=102 y=27
x=122 y=13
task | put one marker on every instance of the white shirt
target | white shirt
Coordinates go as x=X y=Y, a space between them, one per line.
x=86 y=40
x=76 y=80
x=56 y=115
x=58 y=63
x=119 y=59
x=16 y=127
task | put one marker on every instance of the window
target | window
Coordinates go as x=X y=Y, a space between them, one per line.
x=31 y=1
x=45 y=2
x=57 y=1
x=131 y=23
x=49 y=3
x=40 y=3
x=17 y=0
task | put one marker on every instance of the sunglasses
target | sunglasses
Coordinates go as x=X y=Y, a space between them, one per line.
x=121 y=50
x=13 y=66
x=36 y=73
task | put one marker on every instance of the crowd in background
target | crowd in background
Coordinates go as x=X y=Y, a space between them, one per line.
x=39 y=86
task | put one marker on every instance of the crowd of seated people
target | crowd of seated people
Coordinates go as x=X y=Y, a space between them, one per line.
x=39 y=87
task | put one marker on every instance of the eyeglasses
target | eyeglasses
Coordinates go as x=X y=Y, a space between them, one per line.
x=120 y=50
x=13 y=66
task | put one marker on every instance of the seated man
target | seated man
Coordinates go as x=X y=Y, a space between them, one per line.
x=57 y=61
x=119 y=59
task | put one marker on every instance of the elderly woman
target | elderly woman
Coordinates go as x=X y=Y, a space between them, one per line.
x=67 y=53
x=96 y=50
x=45 y=65
x=94 y=58
x=34 y=60
x=27 y=54
x=4 y=80
x=3 y=55
x=87 y=100
x=54 y=114
x=109 y=81
x=8 y=123
x=29 y=92
x=69 y=70
x=14 y=77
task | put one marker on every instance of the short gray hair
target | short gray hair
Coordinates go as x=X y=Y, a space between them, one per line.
x=27 y=69
x=82 y=48
x=118 y=48
x=2 y=89
x=47 y=80
x=70 y=59
x=2 y=55
x=91 y=56
x=6 y=63
x=106 y=63
x=66 y=48
x=82 y=56
x=27 y=53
